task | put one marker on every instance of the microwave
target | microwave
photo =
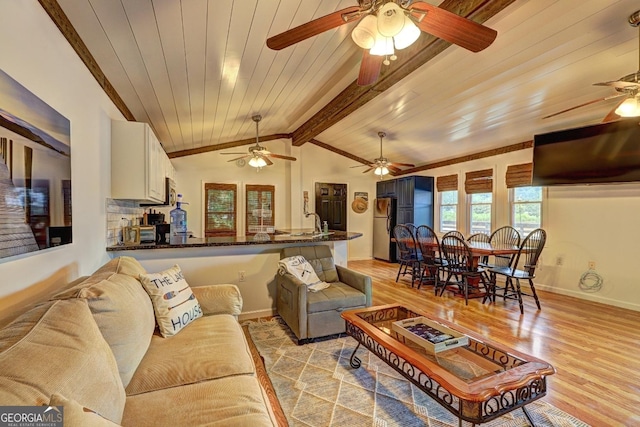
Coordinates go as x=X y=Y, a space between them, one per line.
x=169 y=194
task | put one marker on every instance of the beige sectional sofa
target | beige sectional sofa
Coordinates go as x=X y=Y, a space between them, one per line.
x=96 y=348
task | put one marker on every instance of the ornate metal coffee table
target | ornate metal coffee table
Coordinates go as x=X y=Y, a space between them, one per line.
x=477 y=382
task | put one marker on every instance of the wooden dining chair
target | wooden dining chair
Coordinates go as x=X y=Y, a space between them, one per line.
x=459 y=264
x=482 y=238
x=407 y=254
x=506 y=235
x=432 y=261
x=453 y=233
x=527 y=259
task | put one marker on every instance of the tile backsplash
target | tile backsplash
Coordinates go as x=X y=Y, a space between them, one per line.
x=121 y=213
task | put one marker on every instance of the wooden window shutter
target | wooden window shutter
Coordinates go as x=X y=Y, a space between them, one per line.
x=519 y=175
x=220 y=209
x=260 y=197
x=479 y=181
x=447 y=183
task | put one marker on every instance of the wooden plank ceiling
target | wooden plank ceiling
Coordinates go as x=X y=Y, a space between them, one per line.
x=197 y=70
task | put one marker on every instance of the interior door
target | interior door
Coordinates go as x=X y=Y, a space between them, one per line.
x=331 y=204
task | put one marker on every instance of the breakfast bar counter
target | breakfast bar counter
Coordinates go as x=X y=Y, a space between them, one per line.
x=279 y=237
x=244 y=261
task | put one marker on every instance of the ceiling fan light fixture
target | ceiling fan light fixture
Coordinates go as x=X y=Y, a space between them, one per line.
x=257 y=162
x=383 y=46
x=390 y=20
x=629 y=108
x=381 y=170
x=365 y=33
x=409 y=34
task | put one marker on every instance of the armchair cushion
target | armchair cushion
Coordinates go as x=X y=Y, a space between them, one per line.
x=339 y=296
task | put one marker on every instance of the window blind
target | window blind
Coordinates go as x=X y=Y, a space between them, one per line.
x=260 y=202
x=519 y=175
x=480 y=181
x=220 y=210
x=447 y=183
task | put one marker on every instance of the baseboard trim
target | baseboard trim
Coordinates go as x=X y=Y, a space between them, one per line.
x=593 y=297
x=248 y=315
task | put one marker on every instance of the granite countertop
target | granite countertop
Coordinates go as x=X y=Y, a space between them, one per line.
x=279 y=237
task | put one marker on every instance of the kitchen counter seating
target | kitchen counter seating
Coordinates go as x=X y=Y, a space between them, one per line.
x=95 y=344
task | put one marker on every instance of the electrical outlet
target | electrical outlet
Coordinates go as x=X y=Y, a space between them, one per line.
x=592 y=265
x=241 y=275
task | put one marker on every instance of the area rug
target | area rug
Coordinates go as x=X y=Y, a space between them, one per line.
x=317 y=387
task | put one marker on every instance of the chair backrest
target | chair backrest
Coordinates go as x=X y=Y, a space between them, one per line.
x=457 y=253
x=506 y=235
x=479 y=237
x=319 y=257
x=428 y=243
x=411 y=228
x=453 y=233
x=530 y=251
x=406 y=242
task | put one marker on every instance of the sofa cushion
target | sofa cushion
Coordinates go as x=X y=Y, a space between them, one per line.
x=121 y=308
x=173 y=301
x=62 y=351
x=236 y=401
x=338 y=296
x=319 y=257
x=76 y=415
x=211 y=347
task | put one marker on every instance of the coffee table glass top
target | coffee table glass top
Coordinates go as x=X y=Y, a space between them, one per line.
x=469 y=363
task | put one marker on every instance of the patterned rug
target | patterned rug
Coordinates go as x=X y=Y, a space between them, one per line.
x=317 y=387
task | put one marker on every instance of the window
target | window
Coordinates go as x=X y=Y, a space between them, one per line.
x=448 y=211
x=447 y=186
x=479 y=186
x=259 y=203
x=526 y=201
x=526 y=209
x=480 y=213
x=220 y=210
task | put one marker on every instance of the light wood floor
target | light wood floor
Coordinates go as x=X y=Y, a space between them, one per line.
x=595 y=348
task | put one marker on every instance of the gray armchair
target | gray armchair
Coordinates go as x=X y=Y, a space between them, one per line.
x=317 y=314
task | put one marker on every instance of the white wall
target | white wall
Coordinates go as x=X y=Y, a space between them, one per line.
x=35 y=53
x=583 y=223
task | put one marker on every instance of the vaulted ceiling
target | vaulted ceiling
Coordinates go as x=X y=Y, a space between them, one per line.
x=197 y=70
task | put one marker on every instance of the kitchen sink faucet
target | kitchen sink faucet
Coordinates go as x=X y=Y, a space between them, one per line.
x=318 y=227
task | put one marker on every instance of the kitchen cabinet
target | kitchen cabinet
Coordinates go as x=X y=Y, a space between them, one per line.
x=386 y=188
x=414 y=196
x=138 y=163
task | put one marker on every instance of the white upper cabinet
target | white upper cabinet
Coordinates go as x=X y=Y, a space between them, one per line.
x=138 y=163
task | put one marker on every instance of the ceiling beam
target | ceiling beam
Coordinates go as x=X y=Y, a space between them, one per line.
x=59 y=18
x=226 y=145
x=425 y=49
x=469 y=157
x=340 y=152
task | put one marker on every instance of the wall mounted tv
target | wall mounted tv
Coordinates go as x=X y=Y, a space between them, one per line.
x=603 y=153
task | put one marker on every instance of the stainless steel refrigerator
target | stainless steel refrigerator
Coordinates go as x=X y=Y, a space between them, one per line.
x=384 y=219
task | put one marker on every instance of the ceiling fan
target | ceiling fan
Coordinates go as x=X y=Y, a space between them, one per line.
x=628 y=88
x=388 y=24
x=259 y=156
x=381 y=166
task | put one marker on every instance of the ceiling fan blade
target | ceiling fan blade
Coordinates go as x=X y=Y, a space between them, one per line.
x=393 y=168
x=280 y=156
x=454 y=28
x=369 y=170
x=266 y=159
x=312 y=28
x=585 y=104
x=408 y=165
x=612 y=116
x=237 y=158
x=360 y=166
x=620 y=84
x=369 y=68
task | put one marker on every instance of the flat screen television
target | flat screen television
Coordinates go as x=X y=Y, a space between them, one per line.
x=602 y=153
